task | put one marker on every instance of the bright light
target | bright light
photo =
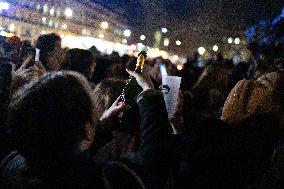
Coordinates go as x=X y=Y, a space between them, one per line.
x=237 y=41
x=127 y=33
x=175 y=57
x=62 y=35
x=45 y=8
x=12 y=27
x=68 y=12
x=43 y=32
x=230 y=40
x=4 y=6
x=50 y=23
x=179 y=67
x=142 y=37
x=166 y=42
x=215 y=48
x=101 y=36
x=178 y=43
x=1 y=28
x=64 y=26
x=104 y=25
x=164 y=30
x=133 y=47
x=51 y=11
x=201 y=50
x=124 y=41
x=43 y=19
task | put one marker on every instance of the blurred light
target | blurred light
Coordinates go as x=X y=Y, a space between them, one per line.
x=237 y=41
x=104 y=25
x=43 y=19
x=50 y=23
x=12 y=27
x=101 y=36
x=1 y=28
x=43 y=32
x=58 y=13
x=230 y=40
x=133 y=47
x=6 y=34
x=64 y=26
x=166 y=42
x=179 y=67
x=4 y=6
x=127 y=33
x=178 y=43
x=56 y=25
x=142 y=37
x=68 y=12
x=215 y=48
x=164 y=30
x=175 y=57
x=62 y=35
x=124 y=41
x=51 y=11
x=38 y=7
x=201 y=50
x=45 y=8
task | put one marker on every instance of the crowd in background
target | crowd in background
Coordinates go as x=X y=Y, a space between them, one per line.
x=61 y=123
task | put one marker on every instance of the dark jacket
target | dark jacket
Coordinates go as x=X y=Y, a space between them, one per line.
x=146 y=169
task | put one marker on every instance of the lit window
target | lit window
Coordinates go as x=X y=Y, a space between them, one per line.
x=51 y=12
x=38 y=7
x=12 y=27
x=58 y=13
x=45 y=8
x=50 y=23
x=43 y=20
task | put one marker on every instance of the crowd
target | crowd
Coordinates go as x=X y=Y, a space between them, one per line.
x=62 y=125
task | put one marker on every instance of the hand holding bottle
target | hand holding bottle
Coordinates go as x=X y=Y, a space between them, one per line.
x=143 y=80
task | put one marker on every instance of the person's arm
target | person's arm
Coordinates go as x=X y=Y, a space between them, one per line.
x=155 y=131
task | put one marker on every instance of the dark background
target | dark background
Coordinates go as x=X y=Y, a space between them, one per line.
x=194 y=22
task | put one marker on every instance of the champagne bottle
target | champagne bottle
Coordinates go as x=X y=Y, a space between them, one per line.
x=132 y=88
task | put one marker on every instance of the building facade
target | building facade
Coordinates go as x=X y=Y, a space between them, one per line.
x=30 y=18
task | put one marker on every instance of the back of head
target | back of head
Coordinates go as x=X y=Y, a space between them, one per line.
x=49 y=45
x=81 y=61
x=47 y=118
x=106 y=92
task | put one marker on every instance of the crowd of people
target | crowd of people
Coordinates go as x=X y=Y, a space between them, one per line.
x=62 y=124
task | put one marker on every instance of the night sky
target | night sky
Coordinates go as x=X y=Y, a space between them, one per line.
x=194 y=22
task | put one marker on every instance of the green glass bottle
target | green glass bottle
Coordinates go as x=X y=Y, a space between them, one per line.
x=132 y=88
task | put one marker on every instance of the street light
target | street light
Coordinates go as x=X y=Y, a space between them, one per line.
x=230 y=40
x=201 y=50
x=142 y=37
x=104 y=25
x=124 y=41
x=237 y=41
x=68 y=12
x=164 y=30
x=178 y=43
x=215 y=48
x=101 y=36
x=4 y=6
x=127 y=33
